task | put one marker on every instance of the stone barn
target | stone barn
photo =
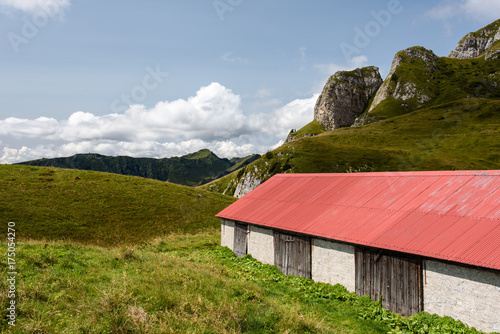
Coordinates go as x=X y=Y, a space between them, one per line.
x=424 y=241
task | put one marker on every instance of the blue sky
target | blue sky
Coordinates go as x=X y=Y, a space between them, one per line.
x=159 y=78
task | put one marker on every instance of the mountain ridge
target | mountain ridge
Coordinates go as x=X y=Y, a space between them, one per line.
x=191 y=170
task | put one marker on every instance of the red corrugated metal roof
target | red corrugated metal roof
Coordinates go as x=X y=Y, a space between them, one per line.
x=448 y=215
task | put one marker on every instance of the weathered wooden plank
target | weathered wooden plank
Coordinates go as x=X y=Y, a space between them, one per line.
x=420 y=287
x=307 y=257
x=292 y=254
x=377 y=276
x=386 y=281
x=359 y=268
x=279 y=252
x=240 y=239
x=404 y=287
x=411 y=287
x=397 y=279
x=417 y=296
x=368 y=273
x=393 y=284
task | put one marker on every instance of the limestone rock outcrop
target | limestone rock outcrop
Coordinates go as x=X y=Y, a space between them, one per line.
x=345 y=96
x=475 y=43
x=407 y=88
x=248 y=183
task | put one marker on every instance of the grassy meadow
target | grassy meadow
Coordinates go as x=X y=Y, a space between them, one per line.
x=103 y=253
x=101 y=208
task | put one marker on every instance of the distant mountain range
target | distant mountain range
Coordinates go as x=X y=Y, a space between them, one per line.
x=190 y=170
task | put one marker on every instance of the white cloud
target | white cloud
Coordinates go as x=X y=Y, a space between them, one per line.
x=293 y=115
x=41 y=127
x=228 y=56
x=480 y=10
x=355 y=62
x=212 y=119
x=34 y=6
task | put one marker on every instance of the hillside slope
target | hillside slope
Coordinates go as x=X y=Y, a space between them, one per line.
x=101 y=208
x=430 y=113
x=460 y=135
x=190 y=170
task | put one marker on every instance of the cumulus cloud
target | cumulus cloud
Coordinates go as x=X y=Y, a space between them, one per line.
x=41 y=127
x=291 y=116
x=480 y=10
x=212 y=119
x=34 y=6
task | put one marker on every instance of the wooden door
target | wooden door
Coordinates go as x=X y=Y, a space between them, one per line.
x=240 y=239
x=292 y=254
x=397 y=279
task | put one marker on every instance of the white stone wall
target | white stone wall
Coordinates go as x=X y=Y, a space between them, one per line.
x=333 y=262
x=227 y=233
x=261 y=244
x=468 y=294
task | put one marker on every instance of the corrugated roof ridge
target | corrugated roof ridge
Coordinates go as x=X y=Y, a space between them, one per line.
x=493 y=172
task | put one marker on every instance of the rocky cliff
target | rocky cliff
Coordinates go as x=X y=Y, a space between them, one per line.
x=475 y=43
x=408 y=84
x=345 y=96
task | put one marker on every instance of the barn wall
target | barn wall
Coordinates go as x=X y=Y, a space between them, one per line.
x=227 y=233
x=333 y=263
x=261 y=244
x=468 y=294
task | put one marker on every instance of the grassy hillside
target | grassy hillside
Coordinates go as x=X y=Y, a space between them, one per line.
x=163 y=289
x=453 y=79
x=101 y=208
x=191 y=169
x=183 y=284
x=160 y=270
x=461 y=135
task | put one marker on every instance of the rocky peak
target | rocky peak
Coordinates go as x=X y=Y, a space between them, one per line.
x=345 y=97
x=475 y=43
x=401 y=90
x=415 y=53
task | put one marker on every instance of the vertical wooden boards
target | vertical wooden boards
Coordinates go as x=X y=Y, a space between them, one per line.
x=397 y=279
x=292 y=254
x=240 y=239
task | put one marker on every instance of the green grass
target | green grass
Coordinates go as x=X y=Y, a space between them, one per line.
x=101 y=208
x=133 y=261
x=184 y=284
x=312 y=128
x=460 y=135
x=157 y=289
